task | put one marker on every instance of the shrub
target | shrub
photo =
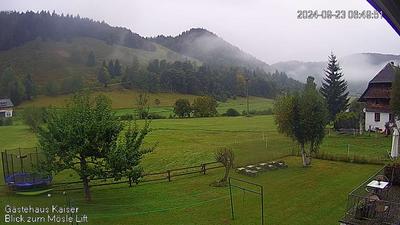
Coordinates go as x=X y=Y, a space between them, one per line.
x=157 y=101
x=351 y=158
x=126 y=116
x=346 y=120
x=259 y=112
x=231 y=112
x=156 y=116
x=34 y=117
x=51 y=88
x=182 y=108
x=6 y=122
x=204 y=106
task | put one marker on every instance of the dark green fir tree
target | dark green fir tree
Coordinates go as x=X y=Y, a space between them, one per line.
x=334 y=88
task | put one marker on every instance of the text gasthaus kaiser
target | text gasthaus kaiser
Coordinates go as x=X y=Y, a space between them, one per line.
x=40 y=210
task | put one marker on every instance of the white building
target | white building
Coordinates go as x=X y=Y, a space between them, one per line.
x=6 y=108
x=377 y=99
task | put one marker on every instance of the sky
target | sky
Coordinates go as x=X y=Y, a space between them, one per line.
x=267 y=29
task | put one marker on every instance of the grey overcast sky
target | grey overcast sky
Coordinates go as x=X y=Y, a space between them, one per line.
x=267 y=29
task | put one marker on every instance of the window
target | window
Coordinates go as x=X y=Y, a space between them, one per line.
x=391 y=118
x=377 y=117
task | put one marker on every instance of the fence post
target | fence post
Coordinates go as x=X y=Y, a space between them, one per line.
x=169 y=175
x=4 y=166
x=203 y=168
x=130 y=181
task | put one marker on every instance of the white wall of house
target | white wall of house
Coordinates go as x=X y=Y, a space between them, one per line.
x=371 y=123
x=6 y=112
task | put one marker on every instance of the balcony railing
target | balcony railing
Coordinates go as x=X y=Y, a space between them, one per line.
x=366 y=207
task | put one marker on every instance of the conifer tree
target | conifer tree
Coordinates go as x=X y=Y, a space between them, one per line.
x=91 y=60
x=111 y=69
x=30 y=88
x=103 y=76
x=334 y=88
x=117 y=68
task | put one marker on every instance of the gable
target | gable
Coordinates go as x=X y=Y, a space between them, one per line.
x=6 y=103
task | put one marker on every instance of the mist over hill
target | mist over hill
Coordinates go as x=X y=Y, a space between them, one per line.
x=209 y=48
x=358 y=69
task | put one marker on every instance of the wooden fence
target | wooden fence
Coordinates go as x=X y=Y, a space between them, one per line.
x=167 y=175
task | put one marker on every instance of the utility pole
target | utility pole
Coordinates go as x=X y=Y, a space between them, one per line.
x=247 y=95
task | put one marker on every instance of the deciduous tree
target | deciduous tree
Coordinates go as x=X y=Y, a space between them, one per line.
x=204 y=106
x=226 y=157
x=182 y=108
x=87 y=138
x=303 y=117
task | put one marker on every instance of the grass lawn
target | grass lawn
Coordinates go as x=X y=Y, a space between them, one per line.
x=124 y=102
x=121 y=99
x=295 y=195
x=184 y=142
x=315 y=195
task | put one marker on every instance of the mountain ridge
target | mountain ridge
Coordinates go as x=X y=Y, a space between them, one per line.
x=358 y=68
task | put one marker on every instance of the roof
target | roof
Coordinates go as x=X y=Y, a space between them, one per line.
x=6 y=103
x=390 y=11
x=386 y=75
x=373 y=91
x=380 y=85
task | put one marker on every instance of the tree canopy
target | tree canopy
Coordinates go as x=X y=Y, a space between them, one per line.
x=204 y=106
x=218 y=81
x=303 y=117
x=17 y=28
x=182 y=108
x=87 y=138
x=11 y=86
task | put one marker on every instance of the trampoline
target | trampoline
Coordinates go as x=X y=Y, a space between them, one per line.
x=21 y=181
x=21 y=171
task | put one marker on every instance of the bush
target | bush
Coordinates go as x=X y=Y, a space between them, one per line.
x=126 y=116
x=182 y=108
x=351 y=158
x=6 y=122
x=258 y=112
x=204 y=106
x=346 y=120
x=51 y=88
x=231 y=112
x=156 y=116
x=34 y=117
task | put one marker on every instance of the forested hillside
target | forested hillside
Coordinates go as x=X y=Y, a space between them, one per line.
x=209 y=48
x=17 y=28
x=62 y=54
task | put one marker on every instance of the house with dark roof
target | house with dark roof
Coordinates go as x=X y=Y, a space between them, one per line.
x=377 y=99
x=6 y=108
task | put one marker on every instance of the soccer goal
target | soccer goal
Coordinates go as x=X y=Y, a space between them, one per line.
x=246 y=187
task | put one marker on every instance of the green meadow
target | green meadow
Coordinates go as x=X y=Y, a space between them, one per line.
x=315 y=195
x=296 y=195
